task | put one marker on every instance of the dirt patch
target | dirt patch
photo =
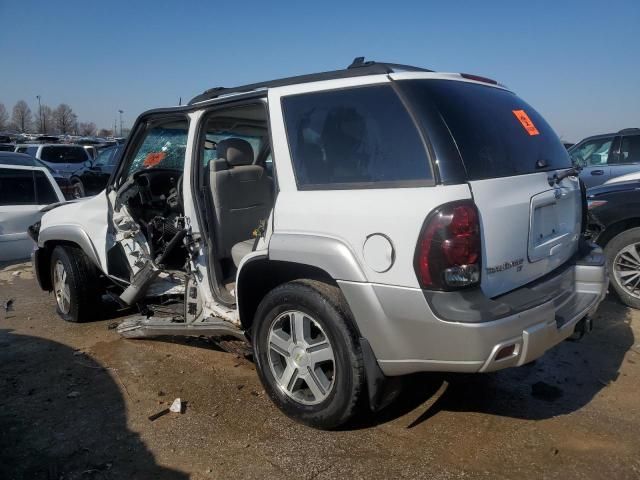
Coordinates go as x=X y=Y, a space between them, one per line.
x=10 y=272
x=581 y=421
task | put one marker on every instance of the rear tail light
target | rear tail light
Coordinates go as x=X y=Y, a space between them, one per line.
x=595 y=203
x=448 y=251
x=65 y=187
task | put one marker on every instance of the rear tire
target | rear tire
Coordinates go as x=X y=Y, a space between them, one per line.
x=315 y=377
x=623 y=265
x=75 y=284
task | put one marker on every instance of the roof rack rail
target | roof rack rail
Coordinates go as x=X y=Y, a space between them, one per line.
x=629 y=130
x=359 y=67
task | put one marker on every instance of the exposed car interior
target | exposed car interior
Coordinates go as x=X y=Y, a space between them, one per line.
x=236 y=171
x=152 y=193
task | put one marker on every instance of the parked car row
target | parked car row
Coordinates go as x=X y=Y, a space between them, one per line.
x=82 y=174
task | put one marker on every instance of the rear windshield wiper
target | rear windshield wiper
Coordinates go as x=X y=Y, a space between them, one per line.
x=570 y=172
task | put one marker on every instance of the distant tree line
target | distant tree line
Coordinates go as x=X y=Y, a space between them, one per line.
x=61 y=120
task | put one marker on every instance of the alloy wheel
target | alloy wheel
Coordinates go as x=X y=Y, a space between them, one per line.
x=626 y=269
x=61 y=287
x=301 y=357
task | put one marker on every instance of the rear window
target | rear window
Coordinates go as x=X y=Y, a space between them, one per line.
x=354 y=138
x=497 y=133
x=63 y=154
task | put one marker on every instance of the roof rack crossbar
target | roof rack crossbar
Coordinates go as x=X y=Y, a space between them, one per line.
x=357 y=68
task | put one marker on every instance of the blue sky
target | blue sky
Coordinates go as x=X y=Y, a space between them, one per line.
x=575 y=62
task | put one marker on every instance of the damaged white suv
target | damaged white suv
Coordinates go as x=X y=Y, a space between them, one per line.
x=354 y=226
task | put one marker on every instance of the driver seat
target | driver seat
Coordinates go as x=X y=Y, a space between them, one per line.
x=242 y=196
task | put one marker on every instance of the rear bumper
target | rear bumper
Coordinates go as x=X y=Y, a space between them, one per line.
x=407 y=335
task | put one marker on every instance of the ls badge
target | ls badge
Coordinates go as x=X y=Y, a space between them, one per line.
x=506 y=266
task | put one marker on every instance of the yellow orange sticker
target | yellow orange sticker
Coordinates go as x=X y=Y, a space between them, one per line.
x=526 y=122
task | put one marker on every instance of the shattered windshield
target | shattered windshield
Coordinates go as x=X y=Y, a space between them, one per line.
x=163 y=147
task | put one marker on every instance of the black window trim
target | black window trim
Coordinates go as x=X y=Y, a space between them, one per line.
x=362 y=185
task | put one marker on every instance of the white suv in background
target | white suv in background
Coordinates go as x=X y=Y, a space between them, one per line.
x=61 y=158
x=355 y=226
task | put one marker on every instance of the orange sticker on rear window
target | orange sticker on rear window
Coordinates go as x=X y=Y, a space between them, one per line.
x=526 y=122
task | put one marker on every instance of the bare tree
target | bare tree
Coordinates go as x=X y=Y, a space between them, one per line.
x=48 y=119
x=87 y=129
x=4 y=117
x=104 y=132
x=65 y=120
x=22 y=118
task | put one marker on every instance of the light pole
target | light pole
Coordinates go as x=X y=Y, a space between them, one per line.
x=40 y=114
x=121 y=112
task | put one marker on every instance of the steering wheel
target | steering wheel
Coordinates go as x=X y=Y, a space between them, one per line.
x=144 y=187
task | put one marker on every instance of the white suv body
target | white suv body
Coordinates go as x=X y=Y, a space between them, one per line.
x=399 y=231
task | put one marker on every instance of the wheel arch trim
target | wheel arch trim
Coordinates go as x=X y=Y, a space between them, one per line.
x=327 y=253
x=73 y=234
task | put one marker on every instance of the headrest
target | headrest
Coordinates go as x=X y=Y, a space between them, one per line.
x=235 y=151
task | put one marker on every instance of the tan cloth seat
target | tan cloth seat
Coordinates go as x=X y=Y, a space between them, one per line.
x=242 y=195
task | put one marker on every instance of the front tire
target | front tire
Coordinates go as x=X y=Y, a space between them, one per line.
x=75 y=284
x=623 y=264
x=307 y=353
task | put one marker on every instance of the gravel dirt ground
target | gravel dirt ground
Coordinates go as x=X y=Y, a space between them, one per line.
x=75 y=401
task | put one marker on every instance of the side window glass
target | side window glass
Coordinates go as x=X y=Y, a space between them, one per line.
x=104 y=157
x=630 y=149
x=347 y=138
x=45 y=194
x=16 y=187
x=592 y=153
x=164 y=146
